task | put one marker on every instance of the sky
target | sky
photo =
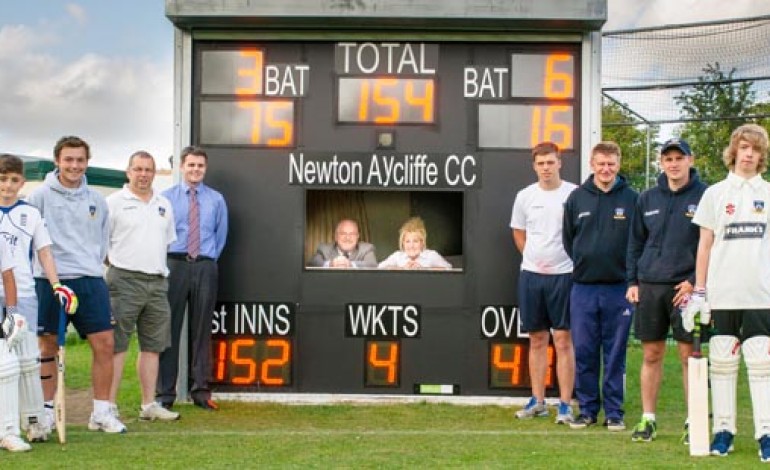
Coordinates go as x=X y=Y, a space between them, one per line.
x=103 y=69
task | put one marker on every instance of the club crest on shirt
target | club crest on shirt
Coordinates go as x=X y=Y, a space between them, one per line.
x=730 y=208
x=23 y=220
x=620 y=213
x=92 y=211
x=162 y=211
x=759 y=207
x=690 y=212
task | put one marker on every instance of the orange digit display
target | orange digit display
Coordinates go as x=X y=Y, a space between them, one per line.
x=509 y=365
x=252 y=74
x=283 y=348
x=252 y=361
x=386 y=100
x=382 y=363
x=424 y=101
x=271 y=122
x=557 y=84
x=553 y=126
x=248 y=365
x=507 y=358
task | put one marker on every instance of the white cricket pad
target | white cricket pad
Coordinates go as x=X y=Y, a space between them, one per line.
x=30 y=388
x=756 y=352
x=9 y=391
x=725 y=358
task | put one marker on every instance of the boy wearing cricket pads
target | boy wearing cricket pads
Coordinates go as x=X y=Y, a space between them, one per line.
x=24 y=231
x=12 y=330
x=732 y=272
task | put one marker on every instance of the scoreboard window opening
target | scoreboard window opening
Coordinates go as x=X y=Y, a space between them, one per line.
x=509 y=365
x=380 y=214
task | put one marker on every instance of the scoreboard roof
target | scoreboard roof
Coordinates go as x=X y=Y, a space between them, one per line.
x=478 y=15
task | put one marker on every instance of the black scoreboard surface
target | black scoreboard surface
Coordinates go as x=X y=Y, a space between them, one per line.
x=301 y=132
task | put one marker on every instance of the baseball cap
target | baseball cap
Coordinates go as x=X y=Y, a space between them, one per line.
x=676 y=143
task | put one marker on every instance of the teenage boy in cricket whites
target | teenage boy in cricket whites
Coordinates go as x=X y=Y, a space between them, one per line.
x=23 y=229
x=732 y=273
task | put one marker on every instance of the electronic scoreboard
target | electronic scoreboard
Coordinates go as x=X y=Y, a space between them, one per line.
x=378 y=111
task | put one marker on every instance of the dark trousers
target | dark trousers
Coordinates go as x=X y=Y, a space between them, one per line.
x=192 y=285
x=600 y=323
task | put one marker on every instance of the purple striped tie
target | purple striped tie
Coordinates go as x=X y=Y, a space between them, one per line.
x=194 y=235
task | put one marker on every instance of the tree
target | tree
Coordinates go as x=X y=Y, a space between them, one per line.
x=621 y=126
x=716 y=96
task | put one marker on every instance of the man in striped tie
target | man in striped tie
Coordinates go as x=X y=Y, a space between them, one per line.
x=200 y=213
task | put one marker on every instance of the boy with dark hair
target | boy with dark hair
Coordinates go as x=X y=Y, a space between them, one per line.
x=76 y=217
x=23 y=229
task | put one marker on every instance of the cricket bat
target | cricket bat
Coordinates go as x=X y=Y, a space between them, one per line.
x=59 y=402
x=698 y=396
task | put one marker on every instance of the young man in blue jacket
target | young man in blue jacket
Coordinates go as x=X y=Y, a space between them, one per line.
x=661 y=270
x=597 y=217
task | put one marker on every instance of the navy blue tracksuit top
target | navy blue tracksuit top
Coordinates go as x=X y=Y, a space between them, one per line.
x=596 y=228
x=663 y=240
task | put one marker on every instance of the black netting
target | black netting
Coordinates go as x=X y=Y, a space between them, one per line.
x=645 y=69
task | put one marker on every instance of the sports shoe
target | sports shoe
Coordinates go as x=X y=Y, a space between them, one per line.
x=38 y=432
x=106 y=422
x=582 y=422
x=764 y=448
x=114 y=410
x=722 y=443
x=532 y=409
x=13 y=443
x=155 y=411
x=564 y=414
x=645 y=431
x=614 y=424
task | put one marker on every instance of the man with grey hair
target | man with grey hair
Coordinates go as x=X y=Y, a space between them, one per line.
x=141 y=223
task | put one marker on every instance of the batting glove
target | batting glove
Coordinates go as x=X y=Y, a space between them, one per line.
x=66 y=298
x=697 y=308
x=14 y=326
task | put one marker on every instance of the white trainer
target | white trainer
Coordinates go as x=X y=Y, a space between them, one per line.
x=114 y=410
x=155 y=411
x=106 y=422
x=38 y=432
x=13 y=443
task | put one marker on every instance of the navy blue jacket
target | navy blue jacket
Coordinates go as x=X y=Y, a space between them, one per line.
x=596 y=226
x=663 y=240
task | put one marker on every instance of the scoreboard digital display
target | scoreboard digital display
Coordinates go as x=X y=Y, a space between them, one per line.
x=302 y=133
x=386 y=100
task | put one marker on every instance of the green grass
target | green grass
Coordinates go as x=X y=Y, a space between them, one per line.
x=247 y=435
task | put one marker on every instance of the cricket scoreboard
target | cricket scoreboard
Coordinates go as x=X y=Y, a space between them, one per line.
x=378 y=110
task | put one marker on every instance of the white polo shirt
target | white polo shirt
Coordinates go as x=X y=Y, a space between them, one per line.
x=24 y=231
x=737 y=210
x=140 y=232
x=540 y=214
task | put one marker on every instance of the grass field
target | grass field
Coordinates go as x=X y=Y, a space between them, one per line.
x=248 y=435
